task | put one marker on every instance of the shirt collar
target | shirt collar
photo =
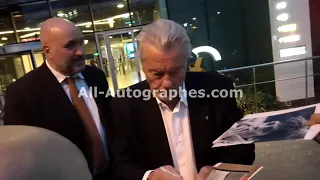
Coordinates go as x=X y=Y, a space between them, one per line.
x=183 y=97
x=60 y=77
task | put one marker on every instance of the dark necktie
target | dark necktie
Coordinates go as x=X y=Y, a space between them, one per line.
x=98 y=155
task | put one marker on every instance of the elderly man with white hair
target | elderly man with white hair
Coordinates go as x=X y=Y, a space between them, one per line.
x=170 y=137
x=31 y=153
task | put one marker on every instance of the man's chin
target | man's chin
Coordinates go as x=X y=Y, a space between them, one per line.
x=79 y=67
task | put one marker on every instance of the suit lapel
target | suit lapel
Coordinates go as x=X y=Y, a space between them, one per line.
x=154 y=129
x=200 y=116
x=53 y=87
x=55 y=93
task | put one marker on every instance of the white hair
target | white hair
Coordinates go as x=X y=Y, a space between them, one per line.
x=164 y=35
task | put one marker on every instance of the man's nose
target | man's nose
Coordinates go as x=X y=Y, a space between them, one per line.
x=80 y=51
x=167 y=83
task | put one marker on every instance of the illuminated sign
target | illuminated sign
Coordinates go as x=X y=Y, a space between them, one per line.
x=208 y=49
x=293 y=51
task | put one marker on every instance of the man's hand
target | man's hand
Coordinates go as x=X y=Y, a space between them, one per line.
x=165 y=173
x=204 y=172
x=315 y=119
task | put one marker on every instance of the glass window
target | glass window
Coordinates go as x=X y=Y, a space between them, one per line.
x=6 y=30
x=8 y=2
x=111 y=14
x=76 y=11
x=39 y=58
x=144 y=11
x=191 y=14
x=13 y=67
x=17 y=1
x=92 y=57
x=27 y=19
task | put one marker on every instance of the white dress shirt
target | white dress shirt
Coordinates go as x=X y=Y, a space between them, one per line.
x=178 y=131
x=89 y=100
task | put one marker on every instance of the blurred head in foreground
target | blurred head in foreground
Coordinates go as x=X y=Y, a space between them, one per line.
x=164 y=48
x=30 y=153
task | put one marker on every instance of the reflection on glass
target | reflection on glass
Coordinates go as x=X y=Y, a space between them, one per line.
x=92 y=55
x=123 y=56
x=12 y=67
x=142 y=75
x=75 y=11
x=123 y=52
x=6 y=30
x=106 y=65
x=39 y=58
x=111 y=14
x=27 y=20
x=144 y=12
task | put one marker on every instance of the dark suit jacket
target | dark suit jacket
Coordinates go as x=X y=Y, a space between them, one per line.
x=37 y=99
x=140 y=141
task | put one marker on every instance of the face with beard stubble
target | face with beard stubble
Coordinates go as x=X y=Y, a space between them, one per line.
x=65 y=51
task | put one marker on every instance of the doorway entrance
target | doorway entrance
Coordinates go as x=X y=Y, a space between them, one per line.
x=119 y=59
x=16 y=60
x=12 y=67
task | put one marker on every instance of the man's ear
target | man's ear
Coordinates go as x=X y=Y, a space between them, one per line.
x=143 y=68
x=46 y=50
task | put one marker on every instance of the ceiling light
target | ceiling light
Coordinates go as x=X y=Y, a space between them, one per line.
x=1 y=44
x=136 y=30
x=28 y=29
x=283 y=17
x=218 y=12
x=194 y=18
x=288 y=39
x=88 y=25
x=86 y=41
x=60 y=14
x=287 y=28
x=29 y=35
x=110 y=37
x=281 y=5
x=87 y=31
x=185 y=24
x=120 y=6
x=4 y=38
x=6 y=32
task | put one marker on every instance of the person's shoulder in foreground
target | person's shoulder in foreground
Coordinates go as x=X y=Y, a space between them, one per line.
x=36 y=154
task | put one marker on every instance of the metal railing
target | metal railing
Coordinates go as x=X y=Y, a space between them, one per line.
x=255 y=83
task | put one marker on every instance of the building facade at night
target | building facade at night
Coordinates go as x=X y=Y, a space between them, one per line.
x=237 y=33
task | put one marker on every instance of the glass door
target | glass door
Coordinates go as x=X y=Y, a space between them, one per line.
x=118 y=54
x=14 y=66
